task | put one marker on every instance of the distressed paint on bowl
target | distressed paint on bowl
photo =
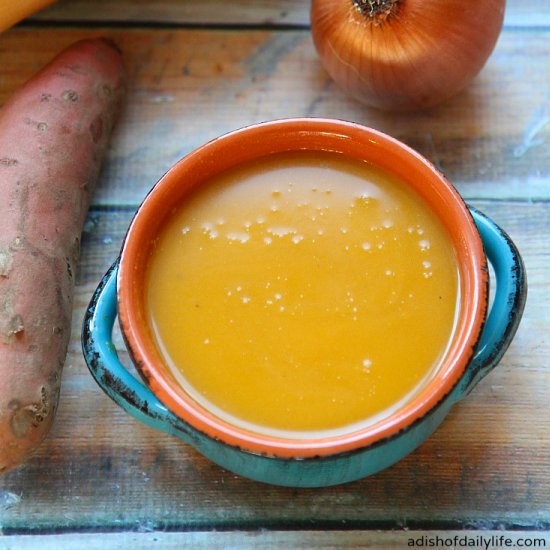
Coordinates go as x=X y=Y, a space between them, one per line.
x=327 y=461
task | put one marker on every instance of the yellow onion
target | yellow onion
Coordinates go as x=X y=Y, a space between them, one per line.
x=405 y=54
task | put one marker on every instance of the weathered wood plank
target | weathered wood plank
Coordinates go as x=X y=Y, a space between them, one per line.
x=524 y=13
x=273 y=540
x=189 y=86
x=487 y=466
x=201 y=12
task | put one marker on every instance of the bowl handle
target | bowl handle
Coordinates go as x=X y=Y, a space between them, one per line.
x=508 y=303
x=111 y=375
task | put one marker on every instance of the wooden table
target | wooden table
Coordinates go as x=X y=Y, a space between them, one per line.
x=198 y=68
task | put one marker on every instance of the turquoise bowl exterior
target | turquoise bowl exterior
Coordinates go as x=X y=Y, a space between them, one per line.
x=140 y=402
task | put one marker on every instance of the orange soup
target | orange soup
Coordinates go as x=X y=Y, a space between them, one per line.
x=303 y=293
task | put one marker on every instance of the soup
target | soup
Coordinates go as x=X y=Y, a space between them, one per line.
x=304 y=293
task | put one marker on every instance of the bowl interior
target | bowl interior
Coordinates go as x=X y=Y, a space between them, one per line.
x=250 y=143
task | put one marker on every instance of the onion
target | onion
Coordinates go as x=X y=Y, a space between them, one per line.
x=405 y=54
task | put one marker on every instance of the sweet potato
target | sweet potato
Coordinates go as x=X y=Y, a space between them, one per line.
x=53 y=135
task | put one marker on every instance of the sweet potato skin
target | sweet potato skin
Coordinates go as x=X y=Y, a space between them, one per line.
x=53 y=135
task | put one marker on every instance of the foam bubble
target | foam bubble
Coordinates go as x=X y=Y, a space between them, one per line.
x=237 y=236
x=281 y=231
x=209 y=229
x=424 y=244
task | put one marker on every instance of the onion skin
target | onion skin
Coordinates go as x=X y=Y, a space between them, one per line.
x=419 y=54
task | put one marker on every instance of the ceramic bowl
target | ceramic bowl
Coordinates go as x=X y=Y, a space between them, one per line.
x=484 y=331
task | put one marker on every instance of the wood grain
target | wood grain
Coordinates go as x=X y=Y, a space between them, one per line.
x=274 y=540
x=189 y=86
x=488 y=464
x=519 y=13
